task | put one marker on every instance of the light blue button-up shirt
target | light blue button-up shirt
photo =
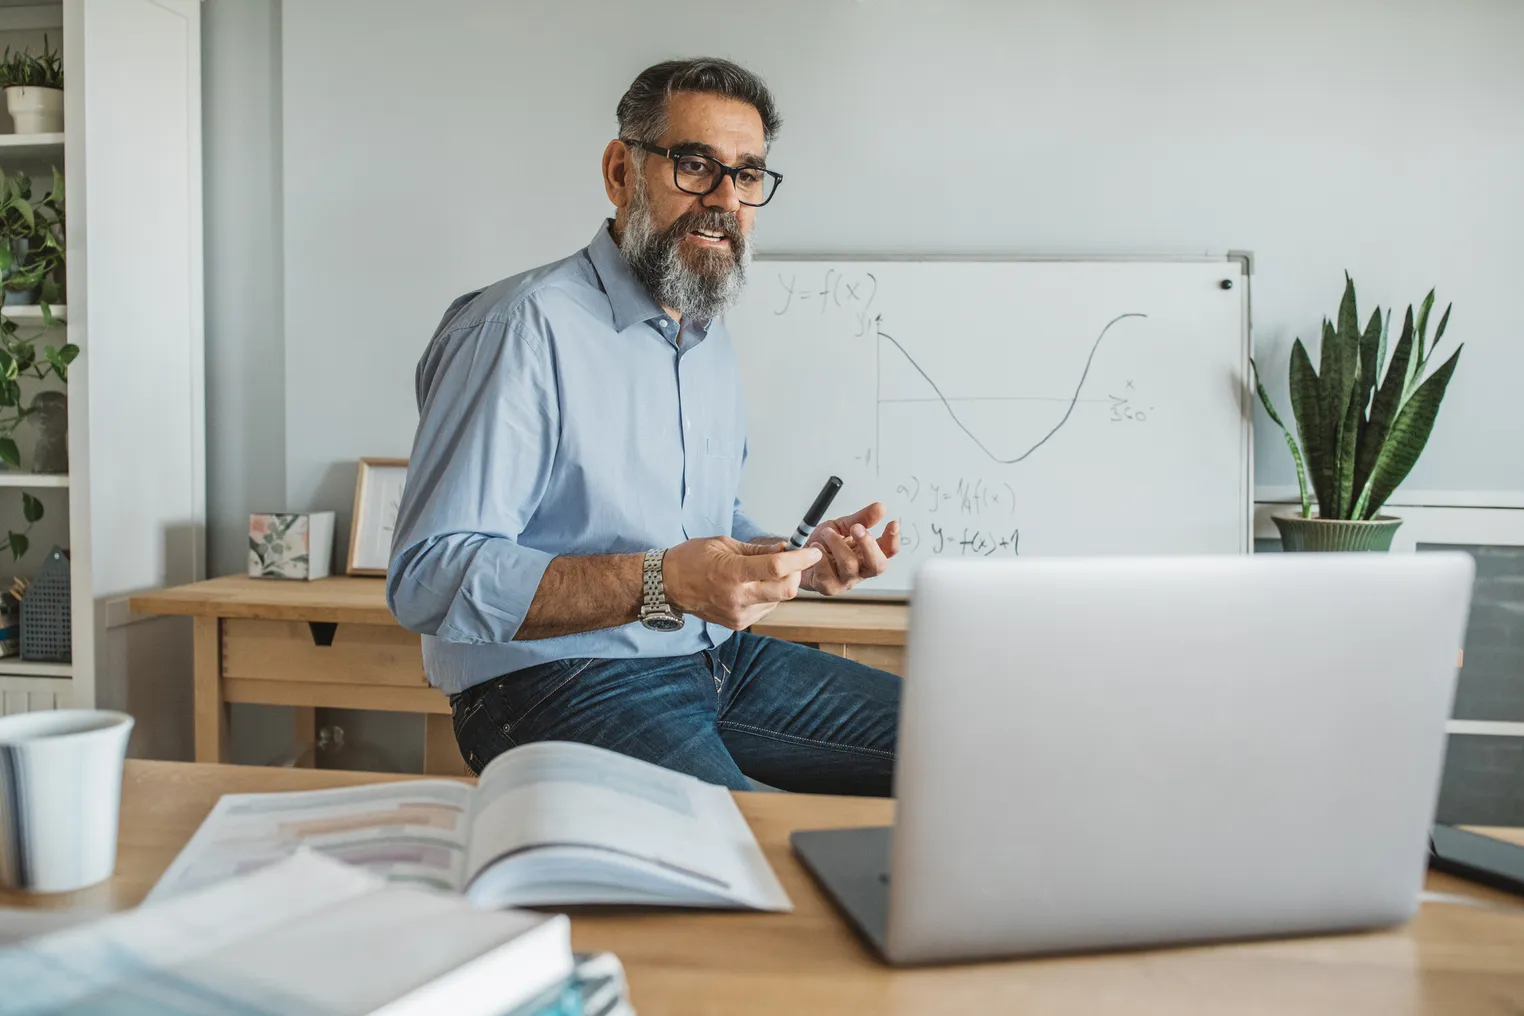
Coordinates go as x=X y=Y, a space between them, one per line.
x=561 y=411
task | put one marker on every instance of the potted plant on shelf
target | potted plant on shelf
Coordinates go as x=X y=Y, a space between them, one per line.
x=19 y=359
x=34 y=89
x=31 y=242
x=1361 y=432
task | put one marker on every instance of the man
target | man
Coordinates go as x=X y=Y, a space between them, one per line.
x=570 y=543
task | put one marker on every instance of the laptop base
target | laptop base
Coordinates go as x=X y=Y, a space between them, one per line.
x=852 y=866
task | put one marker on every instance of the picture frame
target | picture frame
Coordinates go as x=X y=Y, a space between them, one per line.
x=378 y=492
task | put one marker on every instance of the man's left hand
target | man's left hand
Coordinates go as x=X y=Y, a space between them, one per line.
x=851 y=551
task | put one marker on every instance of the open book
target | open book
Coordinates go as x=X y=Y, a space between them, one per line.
x=550 y=823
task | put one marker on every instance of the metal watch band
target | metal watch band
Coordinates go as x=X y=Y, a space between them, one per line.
x=655 y=590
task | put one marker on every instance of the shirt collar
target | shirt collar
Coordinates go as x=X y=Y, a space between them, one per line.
x=629 y=300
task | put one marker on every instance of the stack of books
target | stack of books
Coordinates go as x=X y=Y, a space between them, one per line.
x=309 y=936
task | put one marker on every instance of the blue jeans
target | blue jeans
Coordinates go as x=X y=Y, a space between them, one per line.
x=790 y=716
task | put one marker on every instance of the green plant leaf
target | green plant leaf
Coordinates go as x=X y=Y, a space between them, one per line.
x=1349 y=324
x=1422 y=334
x=57 y=196
x=1307 y=407
x=1349 y=432
x=19 y=545
x=1296 y=454
x=1370 y=357
x=1384 y=408
x=1439 y=332
x=24 y=209
x=31 y=508
x=1410 y=432
x=1337 y=381
x=9 y=452
x=7 y=259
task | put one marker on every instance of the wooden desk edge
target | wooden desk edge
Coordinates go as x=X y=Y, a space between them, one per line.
x=220 y=598
x=167 y=603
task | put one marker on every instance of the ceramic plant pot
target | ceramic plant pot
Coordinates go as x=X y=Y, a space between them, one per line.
x=36 y=110
x=1315 y=534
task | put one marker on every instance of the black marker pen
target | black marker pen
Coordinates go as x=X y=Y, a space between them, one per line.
x=812 y=517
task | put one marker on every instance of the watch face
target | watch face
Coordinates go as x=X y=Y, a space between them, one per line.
x=662 y=622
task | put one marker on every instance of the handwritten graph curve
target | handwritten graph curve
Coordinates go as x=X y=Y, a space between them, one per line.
x=1068 y=411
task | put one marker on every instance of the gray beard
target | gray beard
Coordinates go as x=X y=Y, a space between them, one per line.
x=702 y=291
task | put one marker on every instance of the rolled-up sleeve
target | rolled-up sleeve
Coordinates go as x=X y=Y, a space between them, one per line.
x=481 y=461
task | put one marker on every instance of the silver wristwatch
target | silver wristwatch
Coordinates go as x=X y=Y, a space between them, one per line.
x=655 y=612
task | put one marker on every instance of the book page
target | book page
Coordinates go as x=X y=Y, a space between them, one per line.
x=409 y=831
x=556 y=793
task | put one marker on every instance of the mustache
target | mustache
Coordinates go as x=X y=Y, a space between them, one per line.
x=713 y=220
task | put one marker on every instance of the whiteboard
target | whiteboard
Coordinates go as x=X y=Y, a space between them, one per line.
x=1002 y=408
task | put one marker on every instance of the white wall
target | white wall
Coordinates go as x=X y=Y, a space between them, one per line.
x=427 y=153
x=246 y=355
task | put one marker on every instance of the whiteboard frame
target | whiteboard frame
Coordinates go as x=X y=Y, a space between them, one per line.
x=1245 y=262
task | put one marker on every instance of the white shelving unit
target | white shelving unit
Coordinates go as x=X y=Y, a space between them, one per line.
x=31 y=146
x=34 y=480
x=31 y=311
x=11 y=666
x=134 y=497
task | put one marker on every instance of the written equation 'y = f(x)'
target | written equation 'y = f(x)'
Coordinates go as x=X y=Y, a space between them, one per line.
x=947 y=403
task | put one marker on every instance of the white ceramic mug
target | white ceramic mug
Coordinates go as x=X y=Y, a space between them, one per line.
x=60 y=792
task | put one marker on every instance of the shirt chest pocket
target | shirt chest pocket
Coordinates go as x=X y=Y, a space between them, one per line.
x=716 y=470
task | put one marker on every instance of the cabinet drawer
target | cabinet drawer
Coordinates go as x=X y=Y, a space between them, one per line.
x=368 y=654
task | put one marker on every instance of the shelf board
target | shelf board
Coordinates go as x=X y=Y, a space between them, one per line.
x=33 y=480
x=15 y=666
x=31 y=144
x=33 y=312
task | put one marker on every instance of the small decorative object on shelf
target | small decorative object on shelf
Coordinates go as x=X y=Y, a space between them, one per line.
x=378 y=492
x=34 y=89
x=45 y=614
x=1362 y=430
x=50 y=418
x=290 y=546
x=10 y=624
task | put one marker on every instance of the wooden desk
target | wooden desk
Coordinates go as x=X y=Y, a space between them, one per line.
x=1450 y=960
x=333 y=644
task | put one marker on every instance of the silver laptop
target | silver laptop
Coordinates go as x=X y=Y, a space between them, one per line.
x=1113 y=753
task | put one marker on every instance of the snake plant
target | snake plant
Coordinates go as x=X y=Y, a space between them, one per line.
x=1361 y=432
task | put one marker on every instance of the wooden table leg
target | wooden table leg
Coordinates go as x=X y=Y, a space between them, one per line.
x=210 y=711
x=441 y=755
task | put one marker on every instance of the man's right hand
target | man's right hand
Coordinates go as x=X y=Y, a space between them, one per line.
x=730 y=583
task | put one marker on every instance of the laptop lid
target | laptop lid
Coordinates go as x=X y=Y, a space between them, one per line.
x=1103 y=753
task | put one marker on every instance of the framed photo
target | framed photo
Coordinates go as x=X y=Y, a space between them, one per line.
x=378 y=492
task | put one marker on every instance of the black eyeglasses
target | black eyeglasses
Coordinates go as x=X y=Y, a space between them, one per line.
x=699 y=174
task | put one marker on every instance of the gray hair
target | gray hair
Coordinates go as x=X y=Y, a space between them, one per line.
x=642 y=110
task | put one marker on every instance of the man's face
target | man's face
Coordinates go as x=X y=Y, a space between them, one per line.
x=690 y=250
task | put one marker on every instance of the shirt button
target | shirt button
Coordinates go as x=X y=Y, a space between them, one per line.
x=687 y=491
x=665 y=322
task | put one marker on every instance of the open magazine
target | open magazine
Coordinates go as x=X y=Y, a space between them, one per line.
x=551 y=823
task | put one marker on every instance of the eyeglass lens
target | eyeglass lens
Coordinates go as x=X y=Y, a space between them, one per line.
x=698 y=174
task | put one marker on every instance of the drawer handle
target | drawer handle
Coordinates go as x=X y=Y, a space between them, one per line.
x=322 y=632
